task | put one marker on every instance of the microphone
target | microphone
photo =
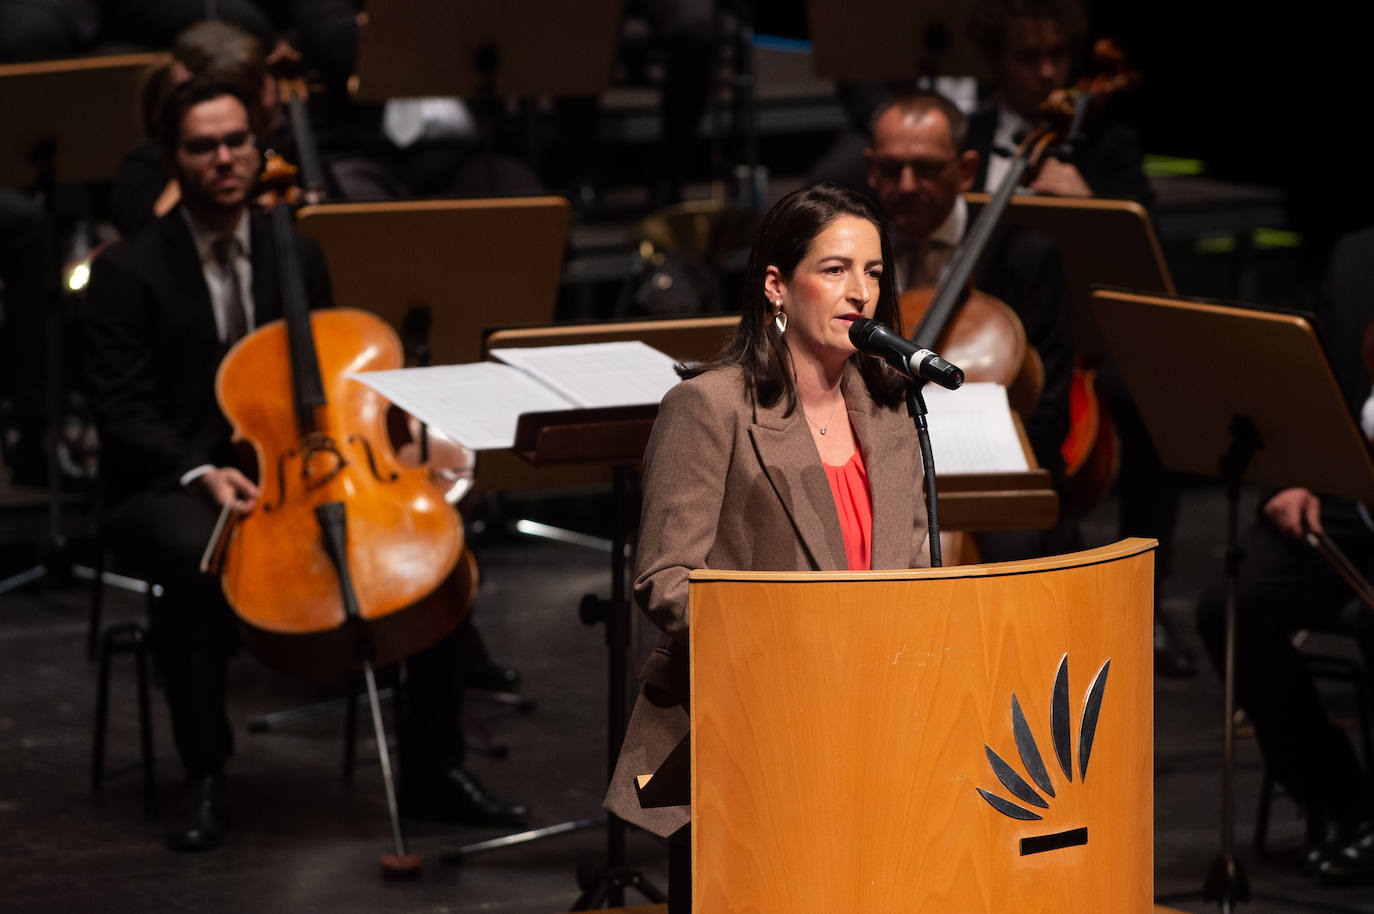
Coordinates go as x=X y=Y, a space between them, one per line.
x=872 y=338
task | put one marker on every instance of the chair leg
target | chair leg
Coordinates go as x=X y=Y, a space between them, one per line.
x=151 y=600
x=97 y=604
x=145 y=724
x=1266 y=800
x=102 y=700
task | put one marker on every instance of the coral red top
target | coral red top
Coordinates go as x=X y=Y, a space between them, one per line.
x=849 y=485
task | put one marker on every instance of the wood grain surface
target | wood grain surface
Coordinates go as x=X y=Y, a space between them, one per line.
x=839 y=725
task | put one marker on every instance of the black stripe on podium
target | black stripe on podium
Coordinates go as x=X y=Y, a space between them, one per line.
x=1038 y=844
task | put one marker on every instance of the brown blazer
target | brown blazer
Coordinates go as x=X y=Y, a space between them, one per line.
x=732 y=484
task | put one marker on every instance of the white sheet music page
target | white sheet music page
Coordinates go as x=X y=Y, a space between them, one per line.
x=971 y=430
x=628 y=373
x=476 y=405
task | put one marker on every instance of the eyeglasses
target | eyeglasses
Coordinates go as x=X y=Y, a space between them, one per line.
x=921 y=169
x=208 y=145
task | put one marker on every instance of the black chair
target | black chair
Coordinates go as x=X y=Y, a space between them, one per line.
x=1331 y=668
x=103 y=643
x=101 y=576
x=125 y=638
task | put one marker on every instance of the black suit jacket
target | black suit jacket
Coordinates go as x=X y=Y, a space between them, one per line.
x=1346 y=307
x=1023 y=268
x=1109 y=156
x=152 y=352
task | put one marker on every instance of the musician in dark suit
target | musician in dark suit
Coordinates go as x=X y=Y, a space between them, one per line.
x=1285 y=586
x=789 y=452
x=919 y=165
x=164 y=306
x=1029 y=45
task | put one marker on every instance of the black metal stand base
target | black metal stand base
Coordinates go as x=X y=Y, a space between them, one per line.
x=604 y=883
x=1226 y=882
x=608 y=884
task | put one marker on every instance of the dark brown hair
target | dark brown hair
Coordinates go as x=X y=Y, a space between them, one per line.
x=988 y=25
x=185 y=97
x=220 y=51
x=785 y=237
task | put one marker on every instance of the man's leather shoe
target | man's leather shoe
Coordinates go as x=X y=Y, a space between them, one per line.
x=494 y=678
x=1351 y=861
x=453 y=795
x=1348 y=861
x=206 y=820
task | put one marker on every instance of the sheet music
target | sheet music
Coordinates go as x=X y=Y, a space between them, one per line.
x=476 y=405
x=971 y=430
x=627 y=373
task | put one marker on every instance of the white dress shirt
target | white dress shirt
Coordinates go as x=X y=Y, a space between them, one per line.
x=1010 y=125
x=924 y=262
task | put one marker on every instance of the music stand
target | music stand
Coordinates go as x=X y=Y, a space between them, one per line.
x=971 y=502
x=1083 y=229
x=614 y=437
x=70 y=120
x=1240 y=430
x=485 y=52
x=915 y=39
x=66 y=121
x=443 y=271
x=693 y=338
x=411 y=48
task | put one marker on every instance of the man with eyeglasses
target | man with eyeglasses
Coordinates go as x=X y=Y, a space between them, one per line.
x=919 y=169
x=164 y=306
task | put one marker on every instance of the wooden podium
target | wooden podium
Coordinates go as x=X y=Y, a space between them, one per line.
x=845 y=729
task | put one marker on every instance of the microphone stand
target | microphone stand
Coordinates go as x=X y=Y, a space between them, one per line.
x=916 y=408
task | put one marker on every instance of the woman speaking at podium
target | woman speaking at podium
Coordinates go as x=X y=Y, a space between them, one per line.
x=788 y=452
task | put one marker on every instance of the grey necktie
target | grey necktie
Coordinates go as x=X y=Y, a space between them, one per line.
x=235 y=318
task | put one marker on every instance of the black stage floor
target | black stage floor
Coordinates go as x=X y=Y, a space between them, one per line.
x=306 y=839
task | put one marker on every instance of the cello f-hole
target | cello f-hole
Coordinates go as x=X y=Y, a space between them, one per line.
x=281 y=480
x=372 y=460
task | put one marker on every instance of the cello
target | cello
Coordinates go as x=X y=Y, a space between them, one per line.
x=350 y=559
x=983 y=335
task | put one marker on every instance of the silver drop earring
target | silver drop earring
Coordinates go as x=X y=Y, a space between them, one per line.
x=780 y=319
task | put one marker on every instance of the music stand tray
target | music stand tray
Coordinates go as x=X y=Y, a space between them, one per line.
x=915 y=39
x=972 y=502
x=1191 y=366
x=86 y=107
x=1102 y=243
x=451 y=48
x=466 y=264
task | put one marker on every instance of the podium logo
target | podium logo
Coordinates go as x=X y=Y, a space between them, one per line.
x=1061 y=735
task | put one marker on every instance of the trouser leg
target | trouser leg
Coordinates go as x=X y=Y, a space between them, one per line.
x=163 y=535
x=1285 y=586
x=680 y=871
x=429 y=718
